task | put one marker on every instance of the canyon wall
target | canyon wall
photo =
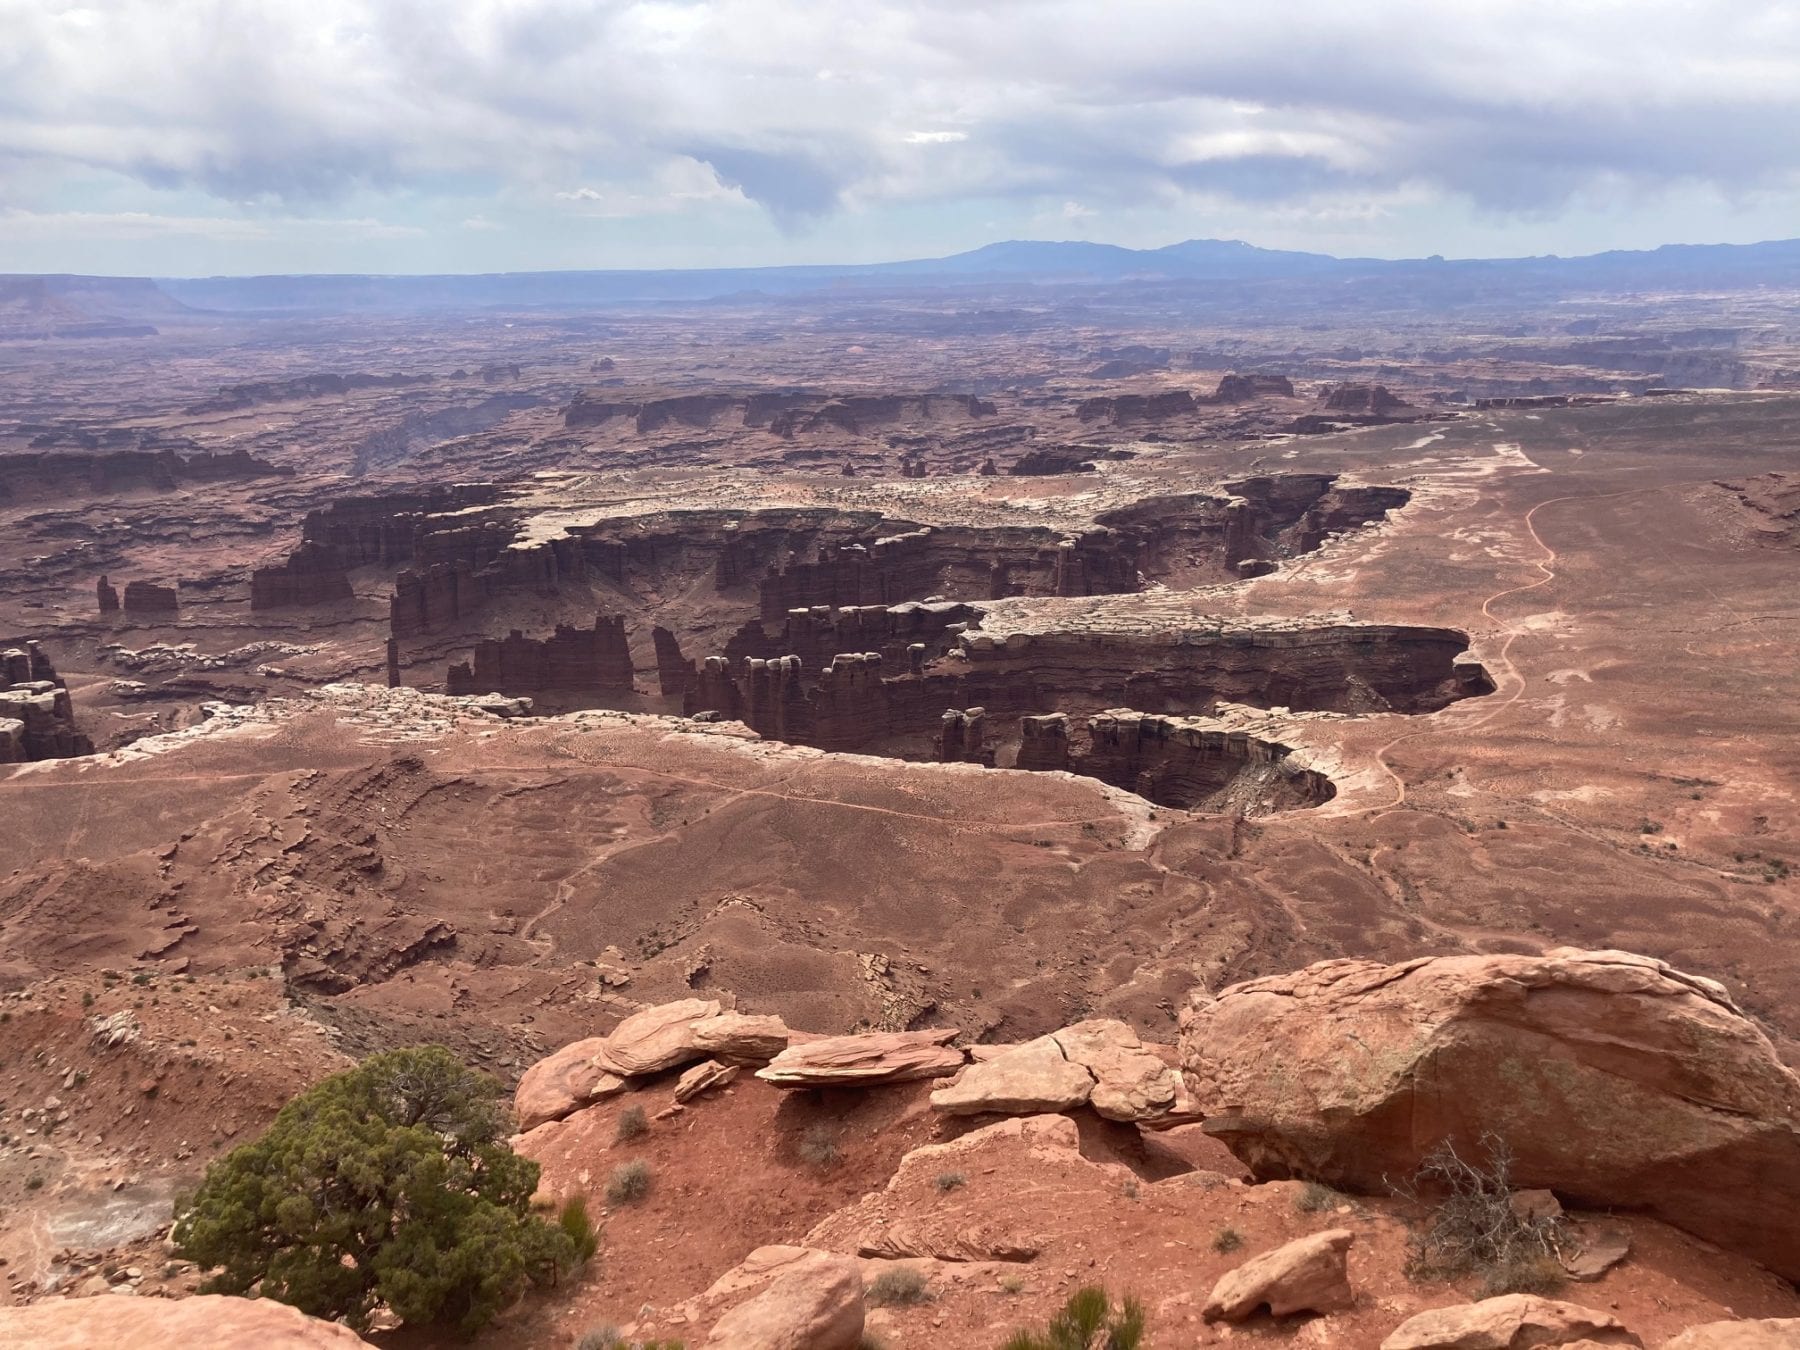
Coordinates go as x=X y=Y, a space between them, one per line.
x=37 y=720
x=594 y=662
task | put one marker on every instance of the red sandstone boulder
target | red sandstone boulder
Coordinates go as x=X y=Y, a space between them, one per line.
x=1130 y=1083
x=208 y=1320
x=563 y=1083
x=1616 y=1080
x=1309 y=1274
x=740 y=1038
x=1027 y=1080
x=865 y=1060
x=1769 y=1333
x=1510 y=1322
x=816 y=1303
x=656 y=1038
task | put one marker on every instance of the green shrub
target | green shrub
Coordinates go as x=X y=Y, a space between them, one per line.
x=949 y=1181
x=629 y=1183
x=632 y=1125
x=1227 y=1240
x=578 y=1228
x=389 y=1184
x=897 y=1288
x=1088 y=1321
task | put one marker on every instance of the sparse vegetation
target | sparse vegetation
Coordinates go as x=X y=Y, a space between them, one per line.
x=390 y=1184
x=818 y=1147
x=901 y=1288
x=608 y=1338
x=629 y=1183
x=35 y=1182
x=1475 y=1230
x=1129 y=1188
x=1012 y=1284
x=949 y=1181
x=578 y=1228
x=632 y=1124
x=1088 y=1321
x=1227 y=1240
x=1317 y=1198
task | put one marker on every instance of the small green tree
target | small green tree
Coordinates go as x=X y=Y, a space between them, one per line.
x=391 y=1183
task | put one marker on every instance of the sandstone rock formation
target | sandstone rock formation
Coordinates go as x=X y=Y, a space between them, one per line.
x=657 y=1038
x=564 y=1082
x=106 y=595
x=211 y=1321
x=740 y=1038
x=1031 y=1079
x=579 y=661
x=1309 y=1274
x=1100 y=1063
x=703 y=1078
x=151 y=597
x=1509 y=1322
x=867 y=1059
x=313 y=574
x=816 y=1303
x=37 y=720
x=1614 y=1079
x=1765 y=1333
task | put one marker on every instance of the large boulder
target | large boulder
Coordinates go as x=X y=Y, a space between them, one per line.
x=1615 y=1080
x=1309 y=1274
x=866 y=1060
x=741 y=1038
x=1027 y=1080
x=209 y=1320
x=1768 y=1333
x=563 y=1083
x=1509 y=1322
x=1130 y=1082
x=1099 y=1063
x=656 y=1038
x=816 y=1303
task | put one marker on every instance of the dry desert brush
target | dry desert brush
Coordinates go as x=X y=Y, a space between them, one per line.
x=1474 y=1228
x=1088 y=1321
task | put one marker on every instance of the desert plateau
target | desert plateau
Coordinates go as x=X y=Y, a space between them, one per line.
x=1053 y=796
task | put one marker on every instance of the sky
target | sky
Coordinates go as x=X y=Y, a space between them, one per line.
x=211 y=137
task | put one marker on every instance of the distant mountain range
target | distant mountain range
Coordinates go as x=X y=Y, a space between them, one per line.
x=73 y=304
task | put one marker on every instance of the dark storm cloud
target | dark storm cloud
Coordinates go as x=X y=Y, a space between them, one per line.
x=803 y=106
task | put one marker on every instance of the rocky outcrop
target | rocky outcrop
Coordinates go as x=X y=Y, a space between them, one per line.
x=1615 y=1080
x=1121 y=409
x=1099 y=1063
x=563 y=1083
x=574 y=661
x=62 y=475
x=106 y=595
x=210 y=1320
x=1509 y=1322
x=741 y=1038
x=865 y=1060
x=1766 y=1333
x=37 y=719
x=814 y=1303
x=1242 y=388
x=312 y=574
x=1368 y=399
x=1027 y=1080
x=151 y=597
x=235 y=397
x=1309 y=1274
x=657 y=1038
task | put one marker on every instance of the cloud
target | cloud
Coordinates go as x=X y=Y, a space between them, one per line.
x=807 y=108
x=22 y=225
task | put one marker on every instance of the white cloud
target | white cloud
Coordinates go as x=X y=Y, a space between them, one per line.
x=21 y=225
x=804 y=106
